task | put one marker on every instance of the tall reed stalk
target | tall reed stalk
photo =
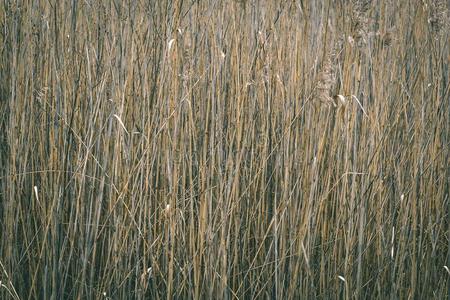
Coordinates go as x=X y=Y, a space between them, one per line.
x=224 y=149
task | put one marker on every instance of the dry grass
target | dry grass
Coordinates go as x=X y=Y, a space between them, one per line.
x=224 y=149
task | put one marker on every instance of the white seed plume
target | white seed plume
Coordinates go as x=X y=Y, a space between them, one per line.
x=121 y=123
x=339 y=100
x=360 y=105
x=169 y=45
x=392 y=242
x=350 y=40
x=149 y=272
x=447 y=269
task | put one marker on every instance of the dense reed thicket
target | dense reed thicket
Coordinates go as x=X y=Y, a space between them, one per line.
x=224 y=149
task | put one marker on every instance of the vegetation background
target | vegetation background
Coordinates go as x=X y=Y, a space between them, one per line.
x=224 y=149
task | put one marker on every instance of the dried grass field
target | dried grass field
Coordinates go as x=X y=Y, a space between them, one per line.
x=219 y=149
